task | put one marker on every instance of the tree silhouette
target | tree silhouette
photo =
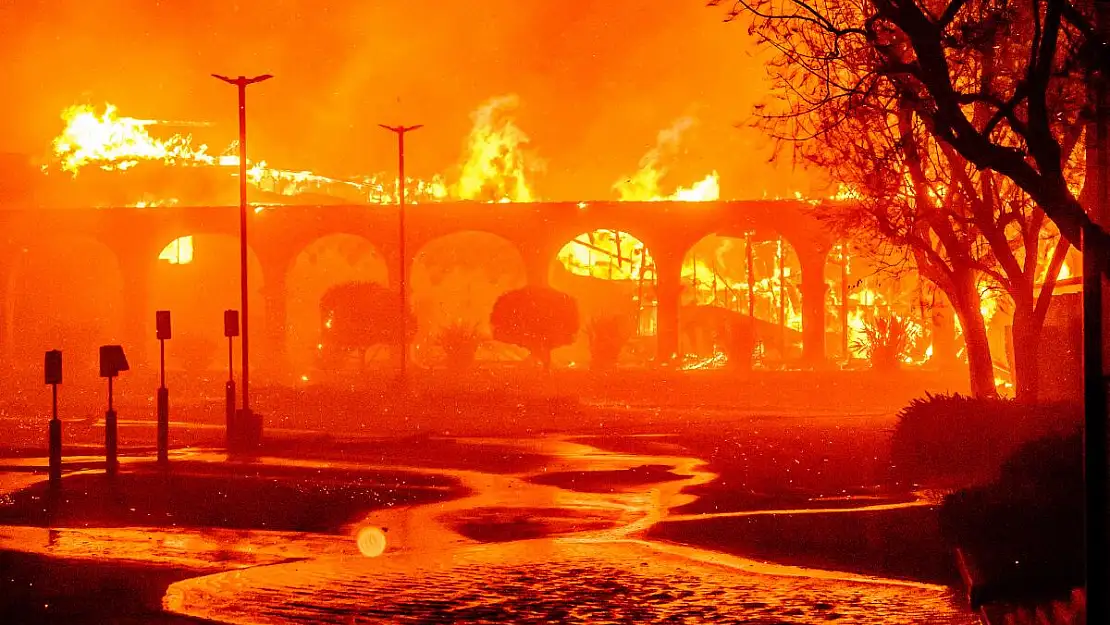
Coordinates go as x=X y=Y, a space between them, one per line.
x=1002 y=84
x=922 y=194
x=608 y=336
x=356 y=316
x=920 y=203
x=536 y=318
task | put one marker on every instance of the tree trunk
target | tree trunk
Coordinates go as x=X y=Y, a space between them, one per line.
x=1027 y=342
x=545 y=358
x=979 y=362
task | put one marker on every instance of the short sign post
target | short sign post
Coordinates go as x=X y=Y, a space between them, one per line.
x=53 y=369
x=231 y=330
x=162 y=318
x=112 y=362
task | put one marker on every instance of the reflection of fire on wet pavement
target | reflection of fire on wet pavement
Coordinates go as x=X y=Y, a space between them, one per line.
x=543 y=582
x=497 y=556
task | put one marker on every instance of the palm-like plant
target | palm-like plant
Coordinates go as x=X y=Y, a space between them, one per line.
x=459 y=342
x=887 y=341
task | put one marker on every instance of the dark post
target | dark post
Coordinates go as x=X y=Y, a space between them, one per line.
x=782 y=299
x=241 y=83
x=54 y=378
x=111 y=436
x=231 y=330
x=402 y=281
x=1095 y=402
x=844 y=329
x=112 y=362
x=750 y=264
x=162 y=318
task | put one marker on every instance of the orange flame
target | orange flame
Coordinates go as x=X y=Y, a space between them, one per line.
x=644 y=185
x=496 y=167
x=113 y=142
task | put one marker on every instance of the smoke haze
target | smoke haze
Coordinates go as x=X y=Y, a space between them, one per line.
x=596 y=83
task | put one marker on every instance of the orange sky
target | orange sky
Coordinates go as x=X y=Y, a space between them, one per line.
x=596 y=83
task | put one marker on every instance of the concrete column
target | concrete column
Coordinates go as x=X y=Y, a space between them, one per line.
x=7 y=265
x=813 y=308
x=269 y=355
x=537 y=264
x=273 y=358
x=668 y=295
x=137 y=337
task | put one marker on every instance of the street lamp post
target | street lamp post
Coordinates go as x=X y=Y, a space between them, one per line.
x=241 y=83
x=402 y=282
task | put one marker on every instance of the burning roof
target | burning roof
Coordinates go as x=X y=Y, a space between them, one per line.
x=103 y=158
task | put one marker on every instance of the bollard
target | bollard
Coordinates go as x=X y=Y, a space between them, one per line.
x=230 y=407
x=55 y=452
x=163 y=426
x=53 y=370
x=111 y=448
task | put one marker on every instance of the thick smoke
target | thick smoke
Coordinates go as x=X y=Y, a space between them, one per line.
x=596 y=83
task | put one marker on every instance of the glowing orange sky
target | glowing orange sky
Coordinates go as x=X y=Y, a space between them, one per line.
x=596 y=82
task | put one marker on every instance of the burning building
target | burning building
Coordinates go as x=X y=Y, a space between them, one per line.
x=154 y=236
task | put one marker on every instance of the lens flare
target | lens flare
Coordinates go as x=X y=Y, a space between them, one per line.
x=371 y=542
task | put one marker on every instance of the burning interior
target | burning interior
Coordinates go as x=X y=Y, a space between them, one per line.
x=105 y=159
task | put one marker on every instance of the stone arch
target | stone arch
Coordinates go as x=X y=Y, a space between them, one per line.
x=716 y=272
x=197 y=292
x=64 y=292
x=456 y=278
x=327 y=260
x=609 y=273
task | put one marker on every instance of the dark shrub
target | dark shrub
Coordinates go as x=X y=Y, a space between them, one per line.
x=1025 y=530
x=607 y=336
x=459 y=342
x=537 y=318
x=356 y=316
x=956 y=440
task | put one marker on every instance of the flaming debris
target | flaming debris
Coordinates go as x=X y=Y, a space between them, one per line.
x=644 y=185
x=495 y=167
x=112 y=142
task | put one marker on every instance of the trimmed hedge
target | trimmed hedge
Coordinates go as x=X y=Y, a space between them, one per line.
x=955 y=440
x=1026 y=529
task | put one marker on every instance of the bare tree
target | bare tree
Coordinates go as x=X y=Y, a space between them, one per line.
x=854 y=99
x=1001 y=83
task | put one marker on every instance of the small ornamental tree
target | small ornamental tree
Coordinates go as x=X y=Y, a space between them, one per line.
x=538 y=319
x=356 y=316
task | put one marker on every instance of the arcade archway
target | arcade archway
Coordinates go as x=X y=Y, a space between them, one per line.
x=196 y=278
x=753 y=280
x=454 y=282
x=328 y=261
x=64 y=293
x=611 y=275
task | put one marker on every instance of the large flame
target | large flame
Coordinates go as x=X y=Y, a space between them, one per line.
x=496 y=167
x=644 y=185
x=112 y=142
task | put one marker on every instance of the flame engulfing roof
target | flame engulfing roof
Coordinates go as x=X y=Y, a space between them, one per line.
x=110 y=159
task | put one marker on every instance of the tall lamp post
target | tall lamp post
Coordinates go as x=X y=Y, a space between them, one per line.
x=402 y=282
x=241 y=83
